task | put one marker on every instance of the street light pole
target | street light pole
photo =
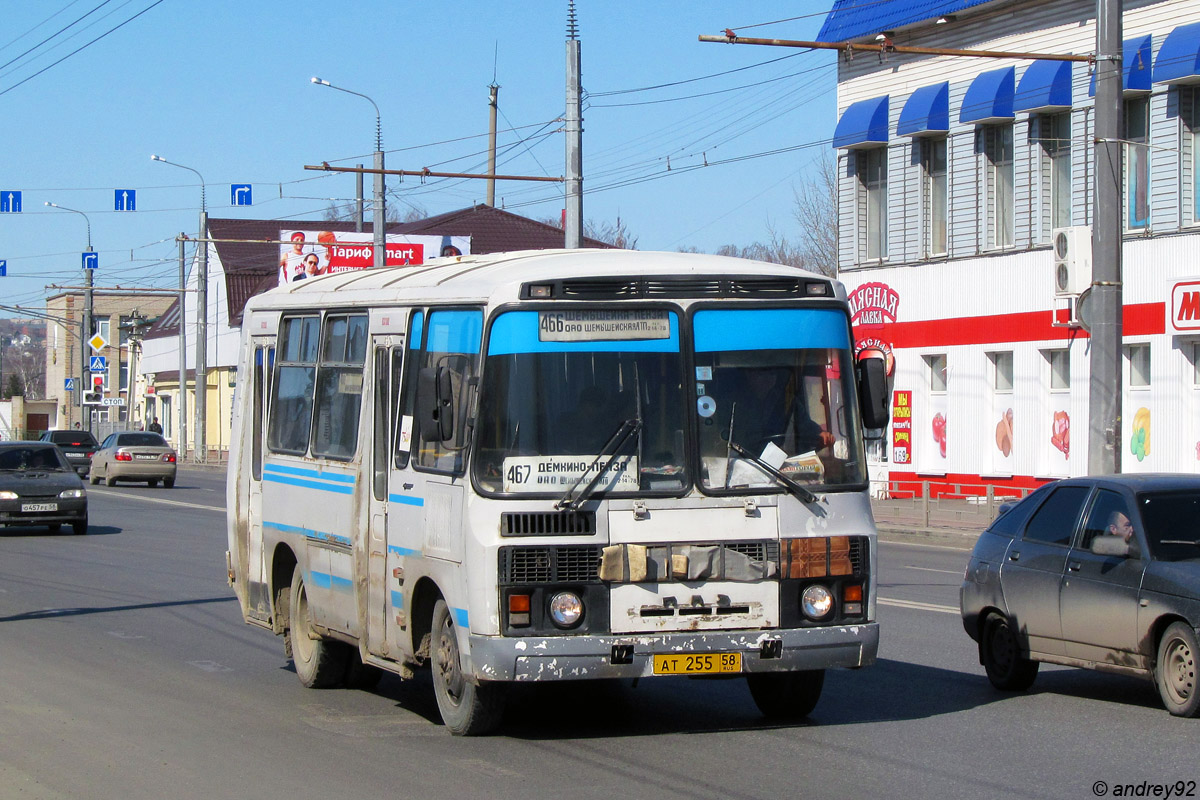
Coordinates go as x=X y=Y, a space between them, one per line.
x=378 y=213
x=201 y=439
x=86 y=328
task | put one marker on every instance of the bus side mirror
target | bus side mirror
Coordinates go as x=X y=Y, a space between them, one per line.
x=873 y=392
x=435 y=394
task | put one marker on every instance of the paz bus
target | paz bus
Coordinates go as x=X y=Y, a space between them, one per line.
x=557 y=465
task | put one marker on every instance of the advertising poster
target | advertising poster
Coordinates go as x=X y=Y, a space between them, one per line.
x=902 y=427
x=310 y=253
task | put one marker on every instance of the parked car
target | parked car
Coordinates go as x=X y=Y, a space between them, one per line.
x=134 y=456
x=1099 y=572
x=77 y=445
x=38 y=486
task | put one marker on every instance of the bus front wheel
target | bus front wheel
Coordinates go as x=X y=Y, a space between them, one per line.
x=468 y=709
x=320 y=663
x=786 y=695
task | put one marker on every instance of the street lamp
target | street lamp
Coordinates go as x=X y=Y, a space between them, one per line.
x=201 y=439
x=378 y=213
x=87 y=318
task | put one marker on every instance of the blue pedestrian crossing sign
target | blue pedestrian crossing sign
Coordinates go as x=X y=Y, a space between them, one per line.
x=91 y=260
x=98 y=364
x=10 y=201
x=69 y=384
x=125 y=200
x=241 y=194
x=3 y=267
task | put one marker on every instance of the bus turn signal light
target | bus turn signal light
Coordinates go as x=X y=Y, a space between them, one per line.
x=852 y=595
x=518 y=610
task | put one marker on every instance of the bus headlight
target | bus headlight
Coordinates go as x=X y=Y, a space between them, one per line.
x=566 y=609
x=816 y=601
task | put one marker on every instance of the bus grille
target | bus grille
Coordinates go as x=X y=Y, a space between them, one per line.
x=547 y=523
x=553 y=564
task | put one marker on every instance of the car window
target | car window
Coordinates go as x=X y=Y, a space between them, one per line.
x=1169 y=523
x=108 y=441
x=1109 y=515
x=16 y=459
x=141 y=440
x=73 y=438
x=1054 y=521
x=1014 y=515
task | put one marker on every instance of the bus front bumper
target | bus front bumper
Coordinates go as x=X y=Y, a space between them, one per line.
x=506 y=658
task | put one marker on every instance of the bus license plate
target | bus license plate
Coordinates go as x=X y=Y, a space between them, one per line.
x=30 y=508
x=697 y=663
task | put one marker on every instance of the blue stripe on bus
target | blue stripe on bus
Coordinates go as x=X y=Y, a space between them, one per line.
x=324 y=487
x=404 y=499
x=460 y=617
x=329 y=538
x=309 y=473
x=323 y=580
x=517 y=332
x=340 y=584
x=397 y=600
x=320 y=580
x=724 y=329
x=403 y=551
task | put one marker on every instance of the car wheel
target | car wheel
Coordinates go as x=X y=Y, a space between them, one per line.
x=152 y=484
x=1175 y=670
x=1000 y=652
x=320 y=663
x=109 y=480
x=55 y=527
x=786 y=695
x=169 y=483
x=80 y=526
x=94 y=479
x=468 y=709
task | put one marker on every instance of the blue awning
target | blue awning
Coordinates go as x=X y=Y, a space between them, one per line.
x=926 y=112
x=863 y=124
x=1045 y=86
x=989 y=98
x=1179 y=57
x=1135 y=67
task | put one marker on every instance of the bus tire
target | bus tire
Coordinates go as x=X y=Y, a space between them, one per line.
x=320 y=663
x=786 y=695
x=467 y=709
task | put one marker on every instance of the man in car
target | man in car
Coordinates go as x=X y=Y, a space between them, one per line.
x=1119 y=525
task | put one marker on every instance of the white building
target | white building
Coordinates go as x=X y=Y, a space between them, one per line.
x=954 y=173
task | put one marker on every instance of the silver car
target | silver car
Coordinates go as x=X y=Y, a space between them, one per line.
x=134 y=456
x=1099 y=572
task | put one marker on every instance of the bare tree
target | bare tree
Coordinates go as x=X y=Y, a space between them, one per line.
x=615 y=233
x=777 y=250
x=344 y=212
x=815 y=209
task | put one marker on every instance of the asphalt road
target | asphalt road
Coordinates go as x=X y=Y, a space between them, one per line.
x=126 y=672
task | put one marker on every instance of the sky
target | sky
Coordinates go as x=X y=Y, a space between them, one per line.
x=710 y=157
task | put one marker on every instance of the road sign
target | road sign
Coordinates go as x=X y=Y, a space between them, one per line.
x=98 y=364
x=124 y=200
x=3 y=267
x=241 y=194
x=91 y=260
x=69 y=385
x=98 y=342
x=112 y=401
x=10 y=201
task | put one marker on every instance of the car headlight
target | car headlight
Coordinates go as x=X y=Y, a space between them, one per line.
x=9 y=495
x=566 y=609
x=816 y=601
x=69 y=493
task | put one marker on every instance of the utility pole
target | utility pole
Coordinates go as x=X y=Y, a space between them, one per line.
x=573 y=222
x=1104 y=385
x=202 y=338
x=493 y=99
x=358 y=201
x=183 y=381
x=85 y=335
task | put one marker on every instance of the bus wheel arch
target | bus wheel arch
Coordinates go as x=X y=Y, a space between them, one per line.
x=424 y=597
x=283 y=564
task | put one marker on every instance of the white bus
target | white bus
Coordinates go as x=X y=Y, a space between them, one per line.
x=557 y=465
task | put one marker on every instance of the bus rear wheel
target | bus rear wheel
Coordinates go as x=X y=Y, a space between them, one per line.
x=320 y=663
x=467 y=709
x=786 y=695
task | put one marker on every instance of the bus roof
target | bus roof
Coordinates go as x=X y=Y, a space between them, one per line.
x=498 y=277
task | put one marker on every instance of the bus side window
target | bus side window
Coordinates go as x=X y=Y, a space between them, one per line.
x=402 y=385
x=340 y=386
x=453 y=344
x=381 y=424
x=291 y=403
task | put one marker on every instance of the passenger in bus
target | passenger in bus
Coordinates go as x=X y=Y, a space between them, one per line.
x=764 y=404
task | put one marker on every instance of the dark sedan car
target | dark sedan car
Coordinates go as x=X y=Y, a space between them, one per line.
x=77 y=445
x=39 y=487
x=1099 y=572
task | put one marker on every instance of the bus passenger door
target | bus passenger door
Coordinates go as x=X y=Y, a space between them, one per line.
x=387 y=360
x=263 y=357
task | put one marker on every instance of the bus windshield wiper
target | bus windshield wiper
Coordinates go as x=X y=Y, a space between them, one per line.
x=628 y=429
x=801 y=493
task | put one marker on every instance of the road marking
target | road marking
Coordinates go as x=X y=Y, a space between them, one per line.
x=157 y=500
x=883 y=542
x=931 y=569
x=886 y=601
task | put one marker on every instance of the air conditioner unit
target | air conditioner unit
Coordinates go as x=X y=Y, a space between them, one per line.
x=1072 y=248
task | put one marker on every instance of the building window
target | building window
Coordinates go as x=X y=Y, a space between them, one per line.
x=1002 y=371
x=872 y=187
x=933 y=164
x=1137 y=163
x=1189 y=101
x=1196 y=364
x=1055 y=135
x=998 y=150
x=1138 y=356
x=937 y=372
x=1060 y=369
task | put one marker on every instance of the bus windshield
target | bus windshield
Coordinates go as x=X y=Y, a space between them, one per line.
x=553 y=397
x=773 y=386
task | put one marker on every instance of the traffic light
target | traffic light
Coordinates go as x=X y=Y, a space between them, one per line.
x=98 y=381
x=92 y=398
